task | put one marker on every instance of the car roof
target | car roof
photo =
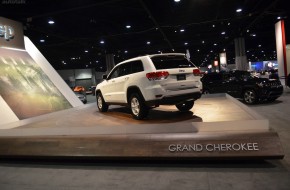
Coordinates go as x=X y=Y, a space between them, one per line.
x=152 y=55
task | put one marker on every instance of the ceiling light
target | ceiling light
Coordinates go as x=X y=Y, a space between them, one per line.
x=185 y=43
x=213 y=25
x=239 y=10
x=223 y=33
x=182 y=30
x=102 y=42
x=253 y=35
x=229 y=23
x=50 y=22
x=177 y=1
x=148 y=43
x=215 y=44
x=42 y=40
x=202 y=41
x=128 y=26
x=278 y=17
x=259 y=45
x=86 y=51
x=126 y=51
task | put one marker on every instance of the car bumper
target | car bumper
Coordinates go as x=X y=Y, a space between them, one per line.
x=271 y=92
x=173 y=100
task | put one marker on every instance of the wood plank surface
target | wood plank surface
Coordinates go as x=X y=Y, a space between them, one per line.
x=262 y=145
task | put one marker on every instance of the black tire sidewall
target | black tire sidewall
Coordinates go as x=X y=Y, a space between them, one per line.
x=183 y=108
x=104 y=105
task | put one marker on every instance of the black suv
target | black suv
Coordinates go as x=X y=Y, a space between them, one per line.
x=241 y=84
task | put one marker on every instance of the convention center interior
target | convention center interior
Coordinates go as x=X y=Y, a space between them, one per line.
x=144 y=94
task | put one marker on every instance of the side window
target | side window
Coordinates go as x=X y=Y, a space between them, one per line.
x=137 y=66
x=114 y=73
x=215 y=77
x=226 y=77
x=125 y=69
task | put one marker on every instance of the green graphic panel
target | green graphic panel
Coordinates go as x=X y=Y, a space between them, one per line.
x=26 y=88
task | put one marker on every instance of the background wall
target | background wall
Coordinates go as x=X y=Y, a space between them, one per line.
x=81 y=77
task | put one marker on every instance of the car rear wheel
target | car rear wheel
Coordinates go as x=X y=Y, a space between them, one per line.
x=250 y=96
x=138 y=108
x=102 y=106
x=205 y=91
x=186 y=106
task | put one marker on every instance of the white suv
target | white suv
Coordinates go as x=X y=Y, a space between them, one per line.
x=149 y=81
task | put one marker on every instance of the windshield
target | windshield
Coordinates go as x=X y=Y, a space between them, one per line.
x=170 y=62
x=244 y=75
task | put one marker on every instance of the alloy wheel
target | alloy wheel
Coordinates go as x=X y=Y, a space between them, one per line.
x=135 y=106
x=100 y=102
x=250 y=97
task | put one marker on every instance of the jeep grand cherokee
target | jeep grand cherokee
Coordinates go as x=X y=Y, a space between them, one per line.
x=241 y=84
x=149 y=81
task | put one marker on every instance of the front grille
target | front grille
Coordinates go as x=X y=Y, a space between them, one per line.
x=273 y=84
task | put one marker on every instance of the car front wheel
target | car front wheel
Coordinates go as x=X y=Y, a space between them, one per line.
x=102 y=106
x=250 y=96
x=138 y=108
x=186 y=106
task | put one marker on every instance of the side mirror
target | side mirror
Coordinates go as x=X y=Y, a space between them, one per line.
x=105 y=77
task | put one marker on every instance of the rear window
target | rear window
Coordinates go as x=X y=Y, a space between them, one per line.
x=170 y=62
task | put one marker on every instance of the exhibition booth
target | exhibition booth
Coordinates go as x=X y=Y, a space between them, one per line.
x=42 y=117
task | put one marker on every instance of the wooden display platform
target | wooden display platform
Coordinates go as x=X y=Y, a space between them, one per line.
x=265 y=145
x=218 y=127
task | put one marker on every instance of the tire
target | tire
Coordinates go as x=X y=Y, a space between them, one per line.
x=250 y=96
x=206 y=91
x=186 y=106
x=102 y=106
x=137 y=106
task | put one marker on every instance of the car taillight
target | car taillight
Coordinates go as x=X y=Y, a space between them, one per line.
x=160 y=75
x=196 y=72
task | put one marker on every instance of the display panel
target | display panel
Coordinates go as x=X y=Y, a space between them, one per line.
x=264 y=65
x=25 y=87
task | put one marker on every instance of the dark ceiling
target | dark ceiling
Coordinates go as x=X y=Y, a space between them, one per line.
x=73 y=41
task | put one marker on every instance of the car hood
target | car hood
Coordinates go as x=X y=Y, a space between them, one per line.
x=264 y=80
